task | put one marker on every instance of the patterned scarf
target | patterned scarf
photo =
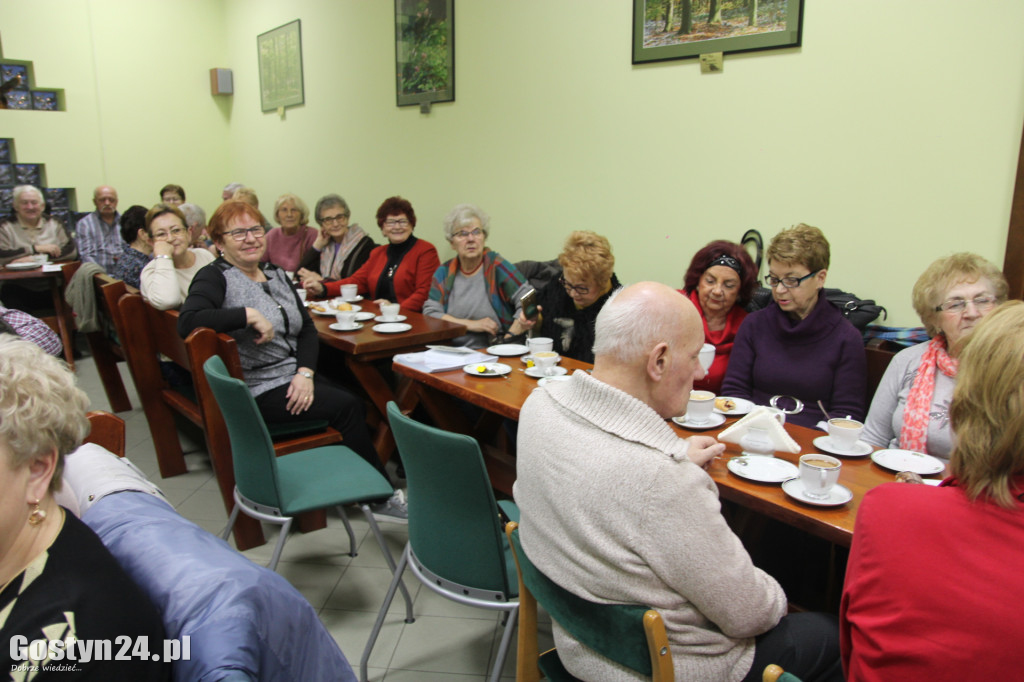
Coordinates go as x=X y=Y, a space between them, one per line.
x=332 y=258
x=914 y=435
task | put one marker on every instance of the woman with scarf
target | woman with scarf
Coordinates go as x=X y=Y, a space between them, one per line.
x=910 y=409
x=478 y=288
x=340 y=248
x=720 y=281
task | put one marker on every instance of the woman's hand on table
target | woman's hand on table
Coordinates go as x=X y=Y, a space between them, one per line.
x=314 y=287
x=300 y=393
x=51 y=250
x=308 y=278
x=703 y=449
x=486 y=325
x=259 y=324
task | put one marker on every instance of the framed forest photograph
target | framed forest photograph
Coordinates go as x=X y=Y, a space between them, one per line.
x=424 y=51
x=280 y=61
x=683 y=29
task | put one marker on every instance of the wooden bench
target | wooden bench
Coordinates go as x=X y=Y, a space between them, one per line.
x=149 y=332
x=105 y=344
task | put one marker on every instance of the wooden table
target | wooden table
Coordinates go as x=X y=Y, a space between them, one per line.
x=56 y=280
x=505 y=397
x=363 y=347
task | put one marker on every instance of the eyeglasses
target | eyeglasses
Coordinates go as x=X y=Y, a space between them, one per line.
x=174 y=232
x=240 y=234
x=466 y=234
x=396 y=223
x=957 y=306
x=789 y=282
x=334 y=219
x=569 y=288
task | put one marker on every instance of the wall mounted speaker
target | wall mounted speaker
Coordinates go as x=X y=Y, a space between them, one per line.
x=221 y=82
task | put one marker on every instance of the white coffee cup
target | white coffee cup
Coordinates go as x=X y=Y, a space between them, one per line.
x=545 y=361
x=819 y=474
x=346 y=318
x=844 y=432
x=700 y=406
x=302 y=294
x=389 y=311
x=706 y=356
x=349 y=291
x=539 y=344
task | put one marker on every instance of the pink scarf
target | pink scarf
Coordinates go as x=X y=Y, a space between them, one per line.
x=914 y=435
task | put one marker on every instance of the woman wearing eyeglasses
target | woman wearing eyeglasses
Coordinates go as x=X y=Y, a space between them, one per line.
x=253 y=301
x=340 y=249
x=910 y=409
x=720 y=281
x=478 y=288
x=801 y=345
x=165 y=280
x=399 y=271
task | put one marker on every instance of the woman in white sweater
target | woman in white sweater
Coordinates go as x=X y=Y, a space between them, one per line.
x=166 y=278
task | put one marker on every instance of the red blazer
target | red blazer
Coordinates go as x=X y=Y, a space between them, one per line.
x=412 y=279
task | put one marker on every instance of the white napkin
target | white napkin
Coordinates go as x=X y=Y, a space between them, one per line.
x=762 y=418
x=431 y=361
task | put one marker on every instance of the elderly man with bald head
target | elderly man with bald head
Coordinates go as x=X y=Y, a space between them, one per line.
x=99 y=233
x=617 y=508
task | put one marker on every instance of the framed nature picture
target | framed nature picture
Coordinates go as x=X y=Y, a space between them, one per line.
x=680 y=29
x=424 y=51
x=280 y=54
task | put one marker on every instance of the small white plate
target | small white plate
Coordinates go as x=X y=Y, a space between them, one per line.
x=839 y=495
x=860 y=448
x=392 y=327
x=713 y=422
x=354 y=299
x=27 y=265
x=364 y=316
x=507 y=350
x=491 y=369
x=743 y=406
x=328 y=310
x=544 y=381
x=538 y=373
x=338 y=328
x=762 y=469
x=396 y=318
x=907 y=460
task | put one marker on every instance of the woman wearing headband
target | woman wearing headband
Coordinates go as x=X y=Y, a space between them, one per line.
x=720 y=281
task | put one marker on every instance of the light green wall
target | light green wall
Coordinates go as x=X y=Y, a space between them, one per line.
x=895 y=127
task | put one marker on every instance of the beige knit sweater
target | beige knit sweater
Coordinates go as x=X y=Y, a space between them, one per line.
x=613 y=511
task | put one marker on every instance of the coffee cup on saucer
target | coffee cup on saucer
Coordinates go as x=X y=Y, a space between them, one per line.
x=349 y=291
x=844 y=432
x=545 y=361
x=346 y=318
x=389 y=311
x=539 y=344
x=700 y=406
x=819 y=474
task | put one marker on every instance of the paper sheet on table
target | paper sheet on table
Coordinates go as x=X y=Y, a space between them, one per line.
x=431 y=361
x=762 y=418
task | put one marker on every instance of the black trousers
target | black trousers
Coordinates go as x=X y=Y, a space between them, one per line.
x=340 y=408
x=805 y=644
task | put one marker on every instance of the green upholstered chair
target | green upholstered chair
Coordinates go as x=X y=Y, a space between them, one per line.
x=456 y=545
x=274 y=489
x=631 y=635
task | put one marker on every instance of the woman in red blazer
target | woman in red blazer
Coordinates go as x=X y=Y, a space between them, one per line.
x=401 y=270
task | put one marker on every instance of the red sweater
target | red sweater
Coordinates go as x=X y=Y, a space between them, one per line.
x=412 y=278
x=721 y=340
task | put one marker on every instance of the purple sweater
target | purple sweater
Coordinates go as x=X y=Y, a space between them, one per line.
x=818 y=358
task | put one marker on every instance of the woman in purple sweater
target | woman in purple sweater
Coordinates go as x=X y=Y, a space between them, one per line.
x=801 y=345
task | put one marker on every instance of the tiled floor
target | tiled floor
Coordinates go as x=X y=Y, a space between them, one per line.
x=448 y=641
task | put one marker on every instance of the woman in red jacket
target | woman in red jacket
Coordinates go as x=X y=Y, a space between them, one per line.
x=401 y=270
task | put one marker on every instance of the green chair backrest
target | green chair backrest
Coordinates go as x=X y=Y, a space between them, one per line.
x=252 y=451
x=454 y=528
x=615 y=631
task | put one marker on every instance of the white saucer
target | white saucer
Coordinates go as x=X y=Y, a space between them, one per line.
x=839 y=495
x=493 y=369
x=329 y=309
x=762 y=469
x=507 y=350
x=396 y=318
x=364 y=316
x=860 y=448
x=544 y=381
x=354 y=299
x=743 y=406
x=538 y=373
x=27 y=265
x=338 y=328
x=529 y=358
x=392 y=327
x=713 y=422
x=906 y=460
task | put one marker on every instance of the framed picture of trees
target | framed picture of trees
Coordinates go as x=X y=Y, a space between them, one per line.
x=680 y=29
x=424 y=51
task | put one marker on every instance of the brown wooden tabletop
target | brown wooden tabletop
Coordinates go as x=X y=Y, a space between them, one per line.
x=57 y=280
x=505 y=397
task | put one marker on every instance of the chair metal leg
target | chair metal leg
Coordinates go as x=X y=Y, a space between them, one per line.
x=396 y=582
x=231 y=522
x=409 y=617
x=506 y=639
x=287 y=526
x=348 y=527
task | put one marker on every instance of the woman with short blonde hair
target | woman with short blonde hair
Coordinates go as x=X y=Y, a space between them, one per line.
x=288 y=244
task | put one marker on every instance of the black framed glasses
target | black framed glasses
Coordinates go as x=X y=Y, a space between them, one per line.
x=240 y=234
x=466 y=234
x=570 y=288
x=771 y=281
x=331 y=220
x=956 y=306
x=391 y=222
x=173 y=232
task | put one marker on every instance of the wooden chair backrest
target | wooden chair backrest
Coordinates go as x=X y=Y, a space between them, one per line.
x=105 y=344
x=879 y=353
x=107 y=431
